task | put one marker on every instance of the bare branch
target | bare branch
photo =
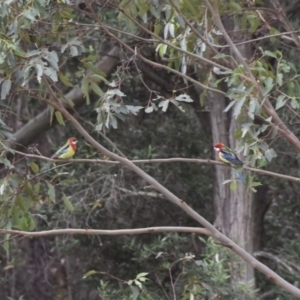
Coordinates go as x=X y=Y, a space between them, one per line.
x=159 y=160
x=288 y=266
x=136 y=231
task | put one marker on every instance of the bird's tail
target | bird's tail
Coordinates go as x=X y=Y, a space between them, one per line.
x=241 y=176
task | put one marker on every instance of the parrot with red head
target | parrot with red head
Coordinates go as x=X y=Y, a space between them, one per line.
x=68 y=150
x=227 y=156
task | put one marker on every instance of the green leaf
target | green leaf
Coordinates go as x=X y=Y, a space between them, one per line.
x=2 y=187
x=255 y=183
x=89 y=273
x=270 y=154
x=51 y=73
x=164 y=104
x=269 y=53
x=115 y=92
x=141 y=275
x=143 y=279
x=254 y=22
x=73 y=51
x=51 y=192
x=161 y=49
x=134 y=109
x=186 y=4
x=129 y=282
x=253 y=105
x=99 y=77
x=23 y=203
x=280 y=101
x=64 y=79
x=135 y=292
x=33 y=53
x=37 y=187
x=52 y=110
x=6 y=163
x=222 y=55
x=149 y=109
x=52 y=58
x=238 y=107
x=24 y=221
x=272 y=32
x=34 y=167
x=39 y=72
x=279 y=79
x=69 y=206
x=95 y=87
x=231 y=103
x=6 y=244
x=234 y=6
x=59 y=118
x=112 y=122
x=184 y=98
x=138 y=284
x=295 y=103
x=268 y=86
x=85 y=89
x=5 y=88
x=70 y=102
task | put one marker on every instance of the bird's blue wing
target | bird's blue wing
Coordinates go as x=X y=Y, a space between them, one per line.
x=231 y=158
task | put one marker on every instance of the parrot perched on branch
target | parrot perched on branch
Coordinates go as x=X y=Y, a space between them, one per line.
x=68 y=150
x=227 y=156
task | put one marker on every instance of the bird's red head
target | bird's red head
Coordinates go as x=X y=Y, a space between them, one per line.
x=73 y=141
x=219 y=146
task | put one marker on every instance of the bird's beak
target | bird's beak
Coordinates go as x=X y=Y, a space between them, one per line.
x=217 y=149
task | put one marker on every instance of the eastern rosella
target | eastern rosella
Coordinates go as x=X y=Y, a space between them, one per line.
x=68 y=150
x=227 y=156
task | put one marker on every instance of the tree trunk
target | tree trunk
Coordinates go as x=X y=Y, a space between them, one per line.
x=233 y=207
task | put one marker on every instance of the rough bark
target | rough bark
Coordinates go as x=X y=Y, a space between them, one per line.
x=233 y=208
x=219 y=129
x=241 y=221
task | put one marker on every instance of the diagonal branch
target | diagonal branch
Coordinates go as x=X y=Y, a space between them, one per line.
x=177 y=201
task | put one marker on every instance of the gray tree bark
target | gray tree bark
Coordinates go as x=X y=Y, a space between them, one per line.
x=233 y=207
